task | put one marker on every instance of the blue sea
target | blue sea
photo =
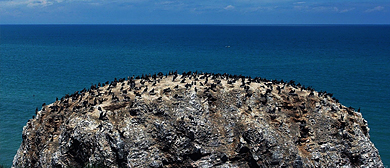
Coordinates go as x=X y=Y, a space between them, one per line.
x=41 y=62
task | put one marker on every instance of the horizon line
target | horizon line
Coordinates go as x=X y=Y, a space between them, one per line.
x=206 y=24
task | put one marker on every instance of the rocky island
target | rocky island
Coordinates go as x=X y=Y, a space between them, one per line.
x=196 y=119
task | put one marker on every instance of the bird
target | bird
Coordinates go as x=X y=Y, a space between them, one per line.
x=167 y=90
x=151 y=92
x=137 y=94
x=145 y=90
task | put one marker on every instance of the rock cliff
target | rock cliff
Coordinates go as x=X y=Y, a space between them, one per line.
x=197 y=120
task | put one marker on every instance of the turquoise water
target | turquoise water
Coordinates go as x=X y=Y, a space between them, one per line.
x=41 y=62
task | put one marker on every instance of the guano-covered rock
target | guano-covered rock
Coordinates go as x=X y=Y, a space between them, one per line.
x=197 y=120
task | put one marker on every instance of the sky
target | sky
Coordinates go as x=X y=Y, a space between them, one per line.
x=194 y=11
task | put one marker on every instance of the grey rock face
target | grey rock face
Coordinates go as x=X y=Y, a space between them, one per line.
x=197 y=120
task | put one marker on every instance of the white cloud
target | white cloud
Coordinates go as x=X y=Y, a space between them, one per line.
x=259 y=8
x=229 y=7
x=165 y=3
x=378 y=8
x=200 y=6
x=28 y=3
x=299 y=2
x=40 y=3
x=34 y=3
x=324 y=9
x=300 y=7
x=346 y=10
x=12 y=3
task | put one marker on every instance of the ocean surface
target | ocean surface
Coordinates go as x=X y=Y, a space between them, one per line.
x=41 y=62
